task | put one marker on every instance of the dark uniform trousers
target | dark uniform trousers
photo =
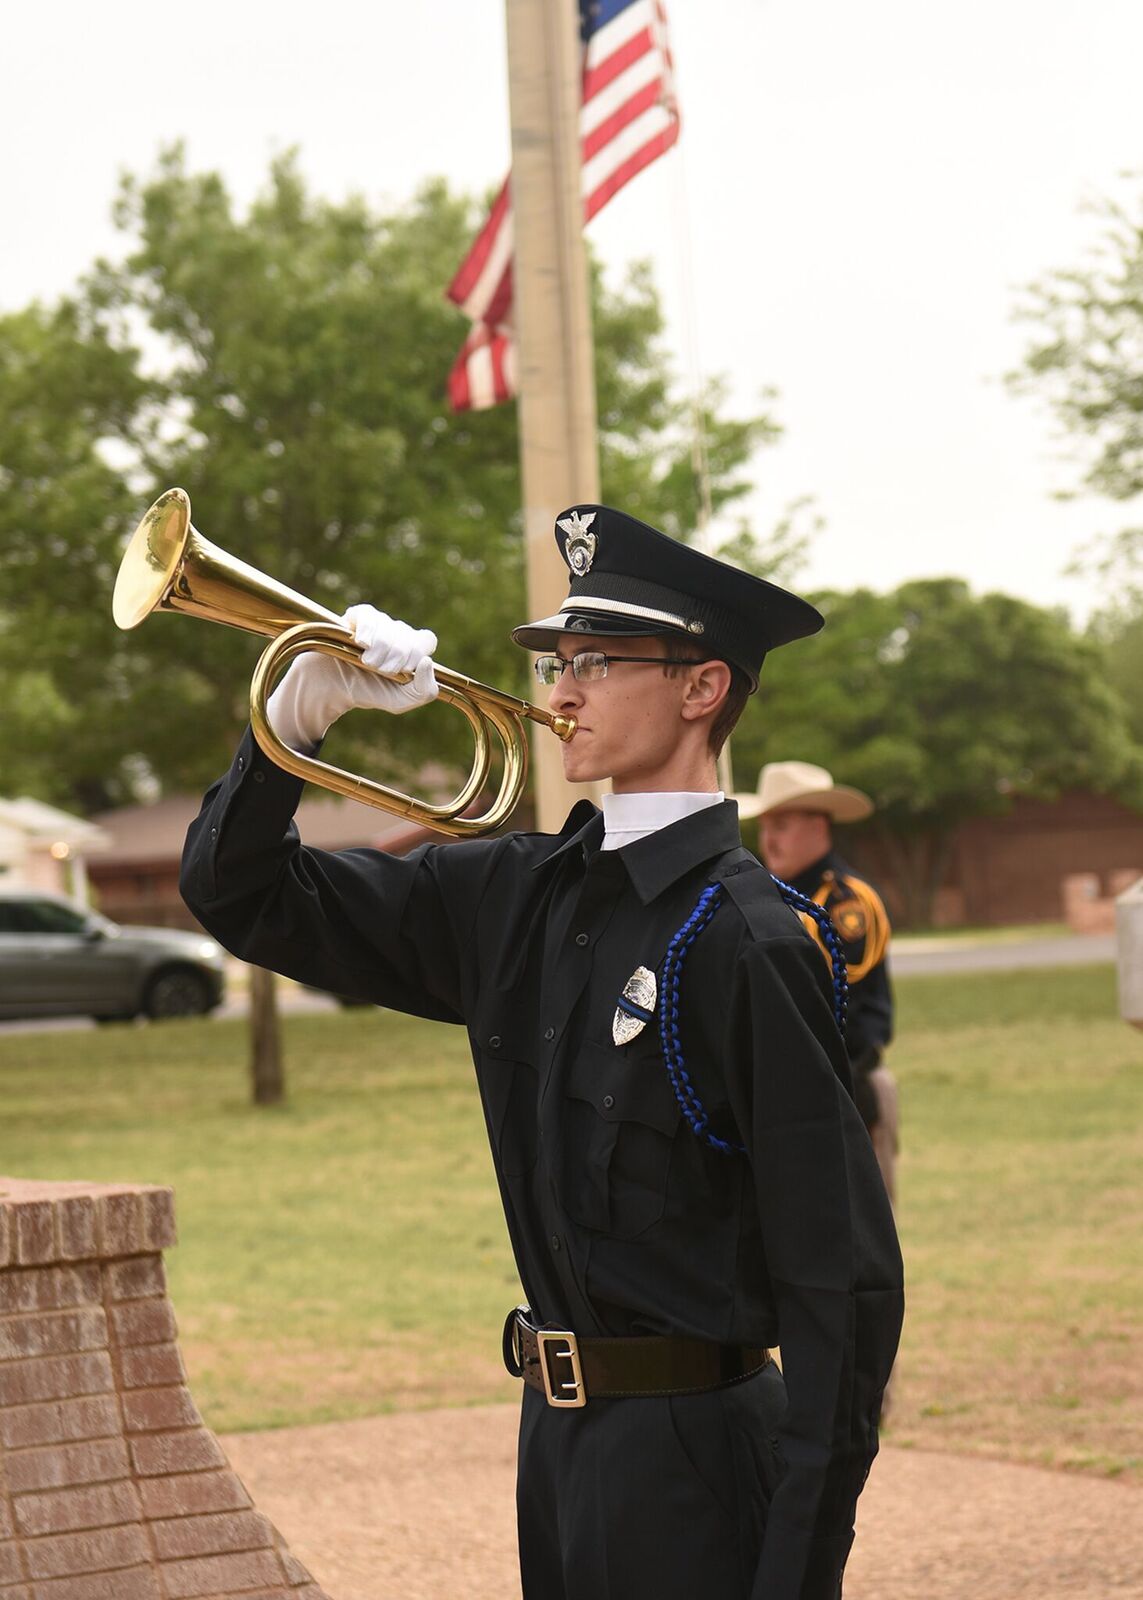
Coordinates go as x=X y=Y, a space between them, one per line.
x=623 y=1218
x=658 y=1498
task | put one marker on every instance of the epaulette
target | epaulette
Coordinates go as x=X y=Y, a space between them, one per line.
x=740 y=877
x=754 y=892
x=757 y=893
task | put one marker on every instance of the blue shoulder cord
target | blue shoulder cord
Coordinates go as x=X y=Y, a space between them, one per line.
x=797 y=901
x=708 y=903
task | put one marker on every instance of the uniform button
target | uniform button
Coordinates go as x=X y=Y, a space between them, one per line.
x=258 y=776
x=581 y=938
x=494 y=1042
x=608 y=1101
x=214 y=833
x=241 y=763
x=555 y=1241
x=549 y=1033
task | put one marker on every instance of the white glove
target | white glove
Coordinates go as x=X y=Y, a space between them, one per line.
x=318 y=688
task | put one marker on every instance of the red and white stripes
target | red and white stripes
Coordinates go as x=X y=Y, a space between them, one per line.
x=628 y=117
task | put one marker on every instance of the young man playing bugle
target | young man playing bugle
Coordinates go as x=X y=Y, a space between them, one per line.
x=685 y=1178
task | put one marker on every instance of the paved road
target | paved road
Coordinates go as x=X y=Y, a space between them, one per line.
x=292 y=999
x=910 y=956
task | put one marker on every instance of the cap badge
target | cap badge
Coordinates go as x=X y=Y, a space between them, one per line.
x=580 y=548
x=636 y=1007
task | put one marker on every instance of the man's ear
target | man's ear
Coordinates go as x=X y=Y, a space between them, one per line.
x=708 y=685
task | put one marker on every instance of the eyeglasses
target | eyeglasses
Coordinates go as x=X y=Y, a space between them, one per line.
x=588 y=666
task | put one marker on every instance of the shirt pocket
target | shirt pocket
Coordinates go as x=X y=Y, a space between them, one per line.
x=620 y=1122
x=508 y=1088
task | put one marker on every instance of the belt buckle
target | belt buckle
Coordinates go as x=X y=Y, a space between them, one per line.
x=562 y=1394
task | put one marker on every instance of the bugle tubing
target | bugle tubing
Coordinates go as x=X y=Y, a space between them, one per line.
x=169 y=566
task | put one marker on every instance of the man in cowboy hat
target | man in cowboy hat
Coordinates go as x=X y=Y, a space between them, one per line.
x=685 y=1178
x=797 y=804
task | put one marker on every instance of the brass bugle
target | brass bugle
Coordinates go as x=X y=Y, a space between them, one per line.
x=169 y=566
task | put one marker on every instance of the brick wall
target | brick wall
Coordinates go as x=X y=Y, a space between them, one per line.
x=1012 y=868
x=111 y=1488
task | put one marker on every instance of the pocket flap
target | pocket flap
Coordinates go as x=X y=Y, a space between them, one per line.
x=501 y=1036
x=623 y=1087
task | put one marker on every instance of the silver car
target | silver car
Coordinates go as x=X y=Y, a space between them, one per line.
x=61 y=959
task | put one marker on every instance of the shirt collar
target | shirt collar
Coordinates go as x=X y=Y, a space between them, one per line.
x=628 y=817
x=582 y=830
x=660 y=859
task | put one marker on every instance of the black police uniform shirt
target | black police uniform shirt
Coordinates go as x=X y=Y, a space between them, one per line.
x=862 y=923
x=621 y=1219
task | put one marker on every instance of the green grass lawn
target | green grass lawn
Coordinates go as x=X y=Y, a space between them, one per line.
x=317 y=1241
x=323 y=1244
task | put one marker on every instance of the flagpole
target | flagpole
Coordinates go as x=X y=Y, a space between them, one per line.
x=559 y=455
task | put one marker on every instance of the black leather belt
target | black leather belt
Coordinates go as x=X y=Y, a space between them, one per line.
x=568 y=1371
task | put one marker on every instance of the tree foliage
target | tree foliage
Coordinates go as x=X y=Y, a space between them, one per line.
x=287 y=367
x=1086 y=356
x=942 y=705
x=64 y=390
x=1118 y=632
x=1086 y=362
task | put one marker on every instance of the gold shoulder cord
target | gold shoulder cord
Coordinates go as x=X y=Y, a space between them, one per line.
x=871 y=912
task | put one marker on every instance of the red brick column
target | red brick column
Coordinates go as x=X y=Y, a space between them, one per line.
x=111 y=1488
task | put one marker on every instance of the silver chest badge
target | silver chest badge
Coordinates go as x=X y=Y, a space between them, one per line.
x=580 y=548
x=636 y=1006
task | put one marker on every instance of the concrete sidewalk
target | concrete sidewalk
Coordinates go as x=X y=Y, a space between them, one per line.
x=909 y=956
x=421 y=1505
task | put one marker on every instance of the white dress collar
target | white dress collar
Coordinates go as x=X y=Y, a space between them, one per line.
x=627 y=817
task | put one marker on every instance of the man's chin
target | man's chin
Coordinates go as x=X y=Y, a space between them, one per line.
x=580 y=768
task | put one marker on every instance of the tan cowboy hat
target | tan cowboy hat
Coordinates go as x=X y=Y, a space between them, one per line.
x=800 y=786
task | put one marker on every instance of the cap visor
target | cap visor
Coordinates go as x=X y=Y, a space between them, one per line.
x=545 y=634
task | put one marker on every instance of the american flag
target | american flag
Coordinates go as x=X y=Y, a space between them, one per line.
x=628 y=116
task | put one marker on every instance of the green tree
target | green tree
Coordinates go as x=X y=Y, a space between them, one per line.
x=65 y=389
x=1118 y=630
x=1085 y=360
x=943 y=706
x=1085 y=363
x=296 y=358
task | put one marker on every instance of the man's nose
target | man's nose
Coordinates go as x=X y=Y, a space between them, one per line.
x=566 y=691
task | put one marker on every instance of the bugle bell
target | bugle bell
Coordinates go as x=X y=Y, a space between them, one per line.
x=169 y=566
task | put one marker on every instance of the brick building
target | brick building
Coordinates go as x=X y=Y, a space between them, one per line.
x=1001 y=870
x=136 y=876
x=1014 y=868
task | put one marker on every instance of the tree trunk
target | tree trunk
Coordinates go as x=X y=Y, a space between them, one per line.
x=266 y=1071
x=941 y=853
x=918 y=861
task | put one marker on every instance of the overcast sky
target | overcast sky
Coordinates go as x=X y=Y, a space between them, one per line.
x=864 y=188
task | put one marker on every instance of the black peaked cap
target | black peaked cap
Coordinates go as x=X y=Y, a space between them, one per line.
x=630 y=580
